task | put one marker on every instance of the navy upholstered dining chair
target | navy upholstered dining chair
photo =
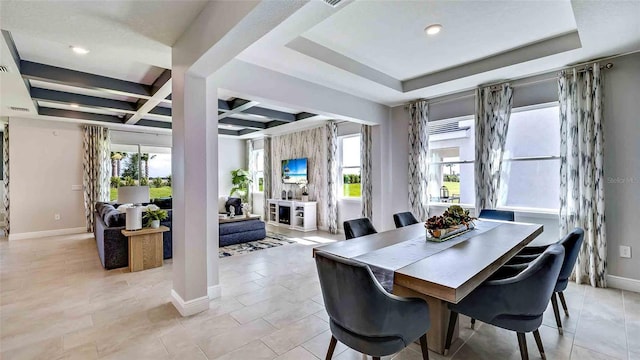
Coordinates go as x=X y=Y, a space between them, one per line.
x=492 y=214
x=572 y=243
x=378 y=324
x=358 y=227
x=515 y=303
x=404 y=219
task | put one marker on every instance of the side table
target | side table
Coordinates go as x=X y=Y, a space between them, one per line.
x=145 y=248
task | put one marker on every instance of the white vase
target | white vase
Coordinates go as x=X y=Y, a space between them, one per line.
x=305 y=197
x=155 y=224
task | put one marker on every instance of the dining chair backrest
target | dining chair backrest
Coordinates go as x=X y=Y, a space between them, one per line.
x=533 y=286
x=404 y=219
x=358 y=227
x=491 y=214
x=352 y=297
x=572 y=244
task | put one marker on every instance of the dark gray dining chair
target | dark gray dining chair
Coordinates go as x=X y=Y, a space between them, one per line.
x=363 y=316
x=404 y=219
x=572 y=243
x=492 y=214
x=515 y=303
x=358 y=227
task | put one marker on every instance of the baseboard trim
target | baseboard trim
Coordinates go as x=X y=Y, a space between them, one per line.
x=214 y=291
x=188 y=308
x=47 y=233
x=622 y=283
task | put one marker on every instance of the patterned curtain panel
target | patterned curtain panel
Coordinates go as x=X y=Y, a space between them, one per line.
x=418 y=156
x=332 y=177
x=251 y=166
x=365 y=171
x=582 y=170
x=267 y=176
x=96 y=165
x=5 y=176
x=493 y=109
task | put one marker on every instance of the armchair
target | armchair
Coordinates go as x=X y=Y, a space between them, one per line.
x=363 y=315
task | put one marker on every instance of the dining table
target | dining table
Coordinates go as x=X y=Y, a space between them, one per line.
x=441 y=273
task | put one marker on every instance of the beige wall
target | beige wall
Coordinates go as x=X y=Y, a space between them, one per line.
x=45 y=161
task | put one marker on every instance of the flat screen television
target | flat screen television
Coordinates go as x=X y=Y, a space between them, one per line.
x=294 y=170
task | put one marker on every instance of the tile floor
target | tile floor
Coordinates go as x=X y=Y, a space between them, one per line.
x=58 y=303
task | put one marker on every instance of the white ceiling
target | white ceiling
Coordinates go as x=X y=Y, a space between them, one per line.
x=387 y=37
x=124 y=37
x=390 y=37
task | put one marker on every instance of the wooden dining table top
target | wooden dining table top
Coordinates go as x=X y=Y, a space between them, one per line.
x=447 y=271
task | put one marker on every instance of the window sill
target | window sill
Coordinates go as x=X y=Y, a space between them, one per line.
x=520 y=211
x=349 y=199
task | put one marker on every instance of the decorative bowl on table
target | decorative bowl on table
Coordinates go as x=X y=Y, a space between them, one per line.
x=454 y=221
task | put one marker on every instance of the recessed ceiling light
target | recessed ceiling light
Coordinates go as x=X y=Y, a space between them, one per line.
x=74 y=105
x=79 y=50
x=433 y=29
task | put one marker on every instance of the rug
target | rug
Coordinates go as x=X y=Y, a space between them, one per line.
x=272 y=240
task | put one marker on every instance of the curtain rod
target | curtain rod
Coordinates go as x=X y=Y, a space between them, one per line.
x=523 y=80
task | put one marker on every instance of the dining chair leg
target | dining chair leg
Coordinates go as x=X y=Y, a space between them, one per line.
x=564 y=303
x=522 y=342
x=332 y=347
x=536 y=335
x=556 y=312
x=473 y=323
x=424 y=347
x=453 y=319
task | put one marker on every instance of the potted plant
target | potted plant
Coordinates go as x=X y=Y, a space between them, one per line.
x=453 y=221
x=302 y=184
x=154 y=217
x=241 y=180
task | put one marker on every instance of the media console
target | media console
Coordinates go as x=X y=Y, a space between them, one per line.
x=293 y=214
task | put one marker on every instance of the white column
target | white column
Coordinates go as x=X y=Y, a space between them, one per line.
x=195 y=183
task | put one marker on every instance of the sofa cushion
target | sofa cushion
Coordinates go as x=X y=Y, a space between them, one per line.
x=236 y=203
x=241 y=226
x=115 y=218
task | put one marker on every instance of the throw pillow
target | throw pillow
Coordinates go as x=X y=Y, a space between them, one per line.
x=237 y=204
x=114 y=218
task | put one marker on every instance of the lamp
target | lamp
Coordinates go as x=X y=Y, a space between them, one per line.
x=135 y=195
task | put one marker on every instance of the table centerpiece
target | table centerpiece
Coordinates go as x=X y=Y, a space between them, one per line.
x=454 y=221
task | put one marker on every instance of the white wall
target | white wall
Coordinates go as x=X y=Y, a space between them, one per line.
x=45 y=161
x=622 y=163
x=231 y=156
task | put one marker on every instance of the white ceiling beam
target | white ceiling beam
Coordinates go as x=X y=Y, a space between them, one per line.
x=163 y=86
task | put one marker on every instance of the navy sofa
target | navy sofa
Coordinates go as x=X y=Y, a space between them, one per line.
x=113 y=247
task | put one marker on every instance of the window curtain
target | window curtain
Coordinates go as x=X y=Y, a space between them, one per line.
x=5 y=177
x=365 y=171
x=251 y=166
x=267 y=176
x=418 y=159
x=493 y=109
x=582 y=170
x=96 y=165
x=332 y=176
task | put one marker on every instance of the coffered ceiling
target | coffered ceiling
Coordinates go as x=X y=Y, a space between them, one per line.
x=376 y=50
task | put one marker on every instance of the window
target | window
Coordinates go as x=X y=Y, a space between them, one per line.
x=451 y=157
x=258 y=176
x=152 y=165
x=531 y=163
x=349 y=158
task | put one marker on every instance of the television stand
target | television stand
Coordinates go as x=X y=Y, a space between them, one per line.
x=293 y=214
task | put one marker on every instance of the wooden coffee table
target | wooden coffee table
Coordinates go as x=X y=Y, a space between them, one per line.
x=145 y=248
x=237 y=218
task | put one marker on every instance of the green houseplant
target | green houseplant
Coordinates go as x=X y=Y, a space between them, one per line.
x=154 y=217
x=241 y=180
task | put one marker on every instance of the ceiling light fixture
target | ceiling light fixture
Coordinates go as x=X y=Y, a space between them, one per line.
x=433 y=29
x=79 y=50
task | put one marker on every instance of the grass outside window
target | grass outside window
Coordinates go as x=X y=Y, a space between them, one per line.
x=154 y=193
